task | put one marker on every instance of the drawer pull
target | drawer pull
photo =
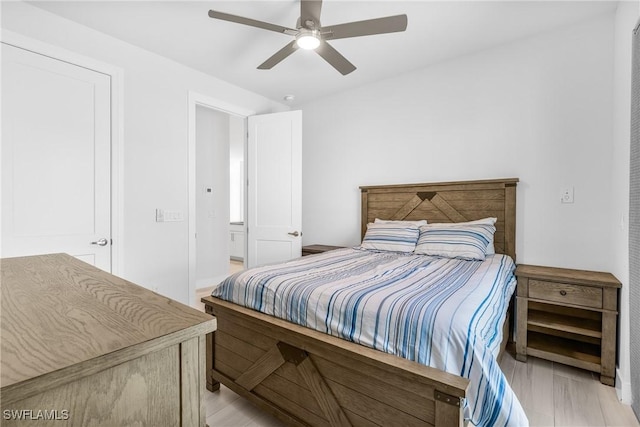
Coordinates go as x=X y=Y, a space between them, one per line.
x=563 y=292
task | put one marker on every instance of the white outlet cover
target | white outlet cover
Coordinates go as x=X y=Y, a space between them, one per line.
x=567 y=195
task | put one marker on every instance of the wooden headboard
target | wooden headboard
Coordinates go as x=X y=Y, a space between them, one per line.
x=447 y=202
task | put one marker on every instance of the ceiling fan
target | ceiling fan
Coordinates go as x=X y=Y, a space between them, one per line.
x=309 y=34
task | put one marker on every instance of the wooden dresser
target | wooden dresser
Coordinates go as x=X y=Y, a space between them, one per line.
x=568 y=316
x=81 y=347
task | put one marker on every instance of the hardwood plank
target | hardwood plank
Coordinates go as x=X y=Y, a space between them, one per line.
x=53 y=379
x=406 y=209
x=564 y=293
x=455 y=216
x=563 y=334
x=574 y=353
x=389 y=394
x=533 y=384
x=583 y=277
x=372 y=409
x=247 y=350
x=322 y=393
x=240 y=332
x=141 y=392
x=615 y=413
x=608 y=351
x=364 y=219
x=591 y=328
x=580 y=405
x=261 y=369
x=190 y=401
x=448 y=415
x=590 y=316
x=509 y=220
x=238 y=413
x=443 y=186
x=521 y=325
x=202 y=377
x=210 y=383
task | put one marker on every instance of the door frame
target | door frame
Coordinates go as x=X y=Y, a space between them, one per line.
x=116 y=75
x=195 y=99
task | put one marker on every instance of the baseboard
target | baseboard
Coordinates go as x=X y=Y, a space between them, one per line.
x=623 y=389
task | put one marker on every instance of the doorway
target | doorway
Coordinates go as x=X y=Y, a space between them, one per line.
x=219 y=194
x=216 y=142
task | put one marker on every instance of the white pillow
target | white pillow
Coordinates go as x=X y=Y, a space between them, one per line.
x=464 y=242
x=491 y=250
x=390 y=221
x=391 y=237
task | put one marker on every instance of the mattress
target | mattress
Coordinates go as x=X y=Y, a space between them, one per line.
x=441 y=312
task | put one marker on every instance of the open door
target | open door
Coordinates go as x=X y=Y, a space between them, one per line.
x=274 y=194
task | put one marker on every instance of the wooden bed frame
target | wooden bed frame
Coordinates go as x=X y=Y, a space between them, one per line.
x=305 y=377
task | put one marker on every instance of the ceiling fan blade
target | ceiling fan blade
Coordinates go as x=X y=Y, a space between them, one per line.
x=334 y=58
x=310 y=11
x=389 y=24
x=279 y=56
x=251 y=22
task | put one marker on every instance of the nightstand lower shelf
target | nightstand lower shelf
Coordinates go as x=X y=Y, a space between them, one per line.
x=570 y=352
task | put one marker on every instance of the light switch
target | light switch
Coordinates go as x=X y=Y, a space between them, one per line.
x=173 y=216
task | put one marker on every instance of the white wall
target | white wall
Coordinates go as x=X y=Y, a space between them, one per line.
x=625 y=20
x=538 y=109
x=212 y=209
x=155 y=140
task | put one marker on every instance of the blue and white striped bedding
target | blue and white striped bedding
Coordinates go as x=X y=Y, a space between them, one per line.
x=441 y=312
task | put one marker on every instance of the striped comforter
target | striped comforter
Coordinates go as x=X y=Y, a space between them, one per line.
x=441 y=312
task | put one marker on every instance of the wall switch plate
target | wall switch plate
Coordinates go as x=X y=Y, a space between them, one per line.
x=163 y=215
x=173 y=216
x=567 y=195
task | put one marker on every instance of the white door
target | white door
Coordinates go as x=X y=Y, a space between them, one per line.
x=56 y=143
x=274 y=194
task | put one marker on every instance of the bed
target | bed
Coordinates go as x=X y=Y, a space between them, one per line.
x=306 y=376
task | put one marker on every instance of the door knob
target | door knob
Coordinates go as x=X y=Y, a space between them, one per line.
x=294 y=234
x=101 y=242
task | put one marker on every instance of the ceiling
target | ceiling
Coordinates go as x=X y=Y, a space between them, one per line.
x=437 y=31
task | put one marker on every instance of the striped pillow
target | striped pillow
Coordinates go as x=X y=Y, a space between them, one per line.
x=391 y=237
x=468 y=241
x=491 y=250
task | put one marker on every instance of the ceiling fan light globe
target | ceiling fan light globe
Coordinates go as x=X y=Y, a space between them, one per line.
x=308 y=41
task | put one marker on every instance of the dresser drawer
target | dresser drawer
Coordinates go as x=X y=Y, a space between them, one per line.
x=586 y=296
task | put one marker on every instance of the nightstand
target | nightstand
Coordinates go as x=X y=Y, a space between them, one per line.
x=568 y=316
x=318 y=249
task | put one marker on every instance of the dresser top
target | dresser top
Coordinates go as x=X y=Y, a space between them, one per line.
x=58 y=312
x=554 y=274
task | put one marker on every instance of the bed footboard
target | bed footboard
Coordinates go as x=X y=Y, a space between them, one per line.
x=304 y=377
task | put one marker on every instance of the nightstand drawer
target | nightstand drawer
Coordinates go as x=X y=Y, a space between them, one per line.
x=585 y=296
